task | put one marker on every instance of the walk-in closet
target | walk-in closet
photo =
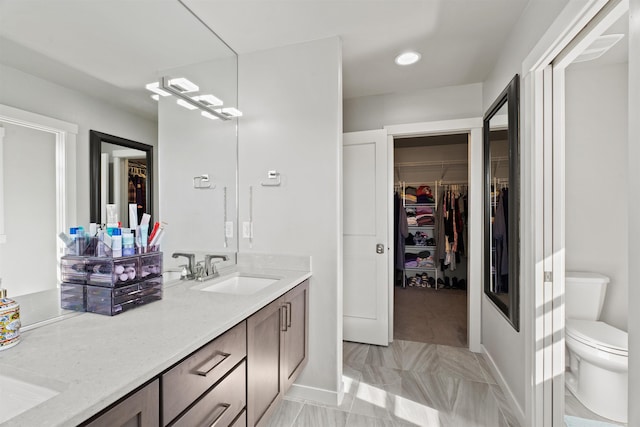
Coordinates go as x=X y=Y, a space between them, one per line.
x=430 y=239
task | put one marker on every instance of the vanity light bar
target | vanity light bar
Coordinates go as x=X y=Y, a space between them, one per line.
x=230 y=112
x=186 y=105
x=209 y=100
x=155 y=87
x=165 y=84
x=208 y=115
x=183 y=85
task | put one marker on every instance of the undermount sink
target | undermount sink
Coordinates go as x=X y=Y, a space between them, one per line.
x=18 y=396
x=239 y=284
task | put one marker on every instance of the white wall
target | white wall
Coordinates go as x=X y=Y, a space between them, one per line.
x=634 y=210
x=29 y=167
x=292 y=103
x=26 y=92
x=375 y=112
x=191 y=145
x=504 y=345
x=597 y=179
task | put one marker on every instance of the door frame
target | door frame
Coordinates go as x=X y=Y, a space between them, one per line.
x=472 y=127
x=65 y=158
x=543 y=164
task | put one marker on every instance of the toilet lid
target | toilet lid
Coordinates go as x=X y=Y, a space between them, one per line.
x=598 y=335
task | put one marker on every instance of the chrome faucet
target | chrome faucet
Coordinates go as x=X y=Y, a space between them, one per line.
x=210 y=265
x=190 y=267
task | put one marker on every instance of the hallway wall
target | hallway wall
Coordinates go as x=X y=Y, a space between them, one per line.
x=507 y=347
x=377 y=111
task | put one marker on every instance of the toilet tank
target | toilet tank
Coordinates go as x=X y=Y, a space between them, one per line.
x=584 y=294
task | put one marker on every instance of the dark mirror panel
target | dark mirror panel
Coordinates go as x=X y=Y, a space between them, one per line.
x=121 y=173
x=501 y=201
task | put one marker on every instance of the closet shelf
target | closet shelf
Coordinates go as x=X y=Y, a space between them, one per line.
x=433 y=248
x=422 y=227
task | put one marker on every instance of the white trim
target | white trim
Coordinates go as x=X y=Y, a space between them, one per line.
x=512 y=402
x=3 y=236
x=472 y=127
x=313 y=394
x=434 y=128
x=65 y=154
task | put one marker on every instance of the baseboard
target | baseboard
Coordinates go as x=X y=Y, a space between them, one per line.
x=516 y=409
x=312 y=394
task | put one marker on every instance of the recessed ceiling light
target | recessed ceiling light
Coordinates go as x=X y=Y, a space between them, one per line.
x=408 y=58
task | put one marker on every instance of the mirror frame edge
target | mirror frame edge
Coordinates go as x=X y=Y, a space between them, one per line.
x=95 y=140
x=510 y=93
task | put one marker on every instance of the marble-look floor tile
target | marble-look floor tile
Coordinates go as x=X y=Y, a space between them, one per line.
x=354 y=355
x=416 y=356
x=486 y=370
x=388 y=357
x=371 y=400
x=379 y=375
x=460 y=363
x=285 y=414
x=357 y=420
x=509 y=417
x=319 y=416
x=473 y=405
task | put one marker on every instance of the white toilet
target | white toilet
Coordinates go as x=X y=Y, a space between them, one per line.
x=597 y=353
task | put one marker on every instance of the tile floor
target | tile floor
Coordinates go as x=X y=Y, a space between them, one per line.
x=407 y=384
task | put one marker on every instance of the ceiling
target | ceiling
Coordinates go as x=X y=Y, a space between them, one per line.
x=460 y=40
x=112 y=48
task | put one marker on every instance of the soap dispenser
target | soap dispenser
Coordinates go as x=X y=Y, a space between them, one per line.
x=9 y=321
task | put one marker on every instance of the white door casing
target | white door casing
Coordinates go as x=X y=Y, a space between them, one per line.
x=365 y=220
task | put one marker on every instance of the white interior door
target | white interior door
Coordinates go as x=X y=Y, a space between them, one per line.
x=366 y=248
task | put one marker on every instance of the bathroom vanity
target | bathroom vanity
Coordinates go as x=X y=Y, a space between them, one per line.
x=197 y=356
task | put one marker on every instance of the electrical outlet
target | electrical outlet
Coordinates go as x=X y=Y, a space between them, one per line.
x=246 y=229
x=228 y=229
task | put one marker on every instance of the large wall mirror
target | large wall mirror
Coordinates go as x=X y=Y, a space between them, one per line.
x=501 y=203
x=88 y=63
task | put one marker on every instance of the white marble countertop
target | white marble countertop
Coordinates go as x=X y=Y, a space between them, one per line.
x=93 y=360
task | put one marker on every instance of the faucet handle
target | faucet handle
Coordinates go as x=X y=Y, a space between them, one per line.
x=209 y=263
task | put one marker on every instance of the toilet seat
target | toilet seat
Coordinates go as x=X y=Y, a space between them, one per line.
x=599 y=335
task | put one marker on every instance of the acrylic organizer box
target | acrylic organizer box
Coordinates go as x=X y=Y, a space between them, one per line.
x=108 y=285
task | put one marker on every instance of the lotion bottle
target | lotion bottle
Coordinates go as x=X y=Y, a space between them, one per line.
x=9 y=321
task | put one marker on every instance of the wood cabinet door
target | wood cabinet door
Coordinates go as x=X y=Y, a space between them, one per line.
x=140 y=409
x=296 y=339
x=264 y=352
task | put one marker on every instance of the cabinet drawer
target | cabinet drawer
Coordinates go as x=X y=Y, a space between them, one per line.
x=241 y=421
x=188 y=380
x=220 y=406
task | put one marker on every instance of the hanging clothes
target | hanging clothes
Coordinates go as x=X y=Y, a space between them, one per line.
x=402 y=231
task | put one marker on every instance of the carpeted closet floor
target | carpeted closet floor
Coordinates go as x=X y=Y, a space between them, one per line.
x=430 y=316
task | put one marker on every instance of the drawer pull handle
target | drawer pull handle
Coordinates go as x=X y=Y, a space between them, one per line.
x=210 y=364
x=226 y=406
x=283 y=318
x=288 y=304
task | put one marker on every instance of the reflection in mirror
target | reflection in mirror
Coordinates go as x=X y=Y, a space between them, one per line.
x=501 y=234
x=70 y=64
x=121 y=174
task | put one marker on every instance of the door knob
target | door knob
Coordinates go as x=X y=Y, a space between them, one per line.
x=379 y=248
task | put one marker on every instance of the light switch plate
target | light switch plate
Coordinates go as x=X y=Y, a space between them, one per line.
x=228 y=229
x=246 y=229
